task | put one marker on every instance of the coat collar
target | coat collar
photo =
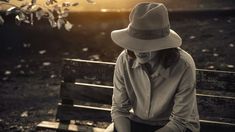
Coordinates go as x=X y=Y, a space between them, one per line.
x=160 y=70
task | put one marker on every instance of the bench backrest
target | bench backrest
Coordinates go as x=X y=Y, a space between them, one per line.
x=87 y=88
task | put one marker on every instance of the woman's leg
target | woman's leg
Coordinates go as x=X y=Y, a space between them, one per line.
x=140 y=127
x=137 y=127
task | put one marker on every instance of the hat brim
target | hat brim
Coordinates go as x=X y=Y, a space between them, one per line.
x=124 y=40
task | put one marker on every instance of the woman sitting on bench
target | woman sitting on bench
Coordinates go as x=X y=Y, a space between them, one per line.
x=154 y=79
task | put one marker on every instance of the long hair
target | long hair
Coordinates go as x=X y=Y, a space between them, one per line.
x=167 y=57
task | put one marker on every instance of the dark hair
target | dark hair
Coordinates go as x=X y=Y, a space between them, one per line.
x=131 y=54
x=168 y=57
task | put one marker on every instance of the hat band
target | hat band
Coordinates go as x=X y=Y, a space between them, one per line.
x=149 y=34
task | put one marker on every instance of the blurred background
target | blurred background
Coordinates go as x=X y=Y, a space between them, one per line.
x=31 y=56
x=124 y=5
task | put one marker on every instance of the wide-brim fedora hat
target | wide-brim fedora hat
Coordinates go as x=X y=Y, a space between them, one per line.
x=148 y=30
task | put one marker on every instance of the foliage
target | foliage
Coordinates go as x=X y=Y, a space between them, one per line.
x=27 y=12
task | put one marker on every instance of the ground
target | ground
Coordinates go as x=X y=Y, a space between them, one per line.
x=31 y=58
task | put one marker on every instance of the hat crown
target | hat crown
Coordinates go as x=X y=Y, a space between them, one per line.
x=149 y=30
x=149 y=16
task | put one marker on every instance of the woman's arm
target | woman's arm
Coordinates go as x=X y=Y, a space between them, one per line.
x=120 y=101
x=184 y=114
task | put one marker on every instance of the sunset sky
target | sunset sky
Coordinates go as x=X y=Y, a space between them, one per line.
x=125 y=5
x=122 y=5
x=110 y=4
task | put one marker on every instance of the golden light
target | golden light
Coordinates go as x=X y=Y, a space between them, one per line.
x=121 y=5
x=104 y=10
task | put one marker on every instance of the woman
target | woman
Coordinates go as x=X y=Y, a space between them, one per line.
x=154 y=79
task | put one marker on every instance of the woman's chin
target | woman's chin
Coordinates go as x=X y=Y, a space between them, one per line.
x=142 y=61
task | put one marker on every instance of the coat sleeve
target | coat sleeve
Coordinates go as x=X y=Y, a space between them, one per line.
x=120 y=100
x=185 y=113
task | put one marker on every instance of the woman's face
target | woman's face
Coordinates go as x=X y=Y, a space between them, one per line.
x=143 y=57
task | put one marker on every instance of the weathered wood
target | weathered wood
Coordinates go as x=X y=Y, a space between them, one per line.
x=67 y=127
x=216 y=80
x=216 y=93
x=65 y=101
x=103 y=72
x=80 y=112
x=88 y=70
x=87 y=92
x=91 y=82
x=218 y=108
x=104 y=116
x=212 y=126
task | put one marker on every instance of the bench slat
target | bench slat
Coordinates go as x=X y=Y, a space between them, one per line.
x=206 y=125
x=216 y=80
x=103 y=71
x=210 y=126
x=79 y=91
x=216 y=108
x=67 y=127
x=90 y=71
x=80 y=112
x=209 y=106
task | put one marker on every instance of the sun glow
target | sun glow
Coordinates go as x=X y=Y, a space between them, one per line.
x=99 y=5
x=104 y=10
x=118 y=5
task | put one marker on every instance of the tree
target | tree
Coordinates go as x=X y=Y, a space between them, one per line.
x=27 y=12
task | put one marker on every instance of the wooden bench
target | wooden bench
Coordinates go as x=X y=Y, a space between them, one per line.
x=86 y=93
